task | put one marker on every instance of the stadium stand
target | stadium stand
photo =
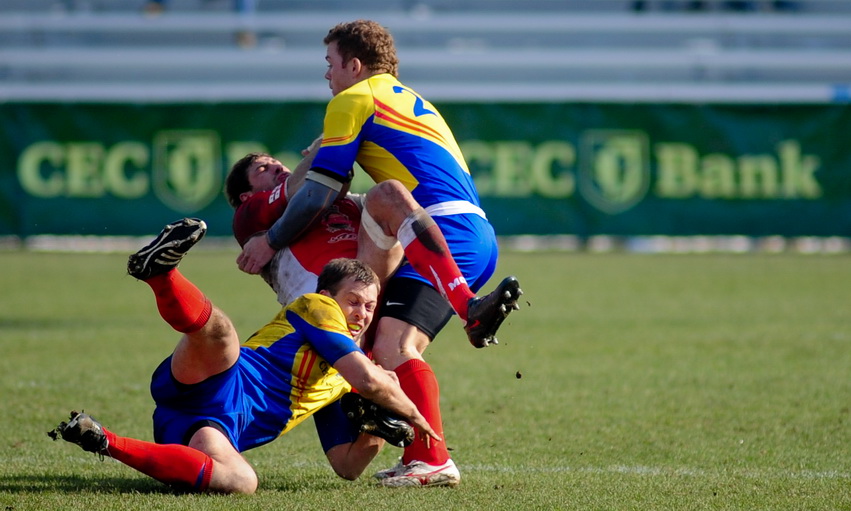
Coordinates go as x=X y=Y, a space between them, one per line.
x=478 y=50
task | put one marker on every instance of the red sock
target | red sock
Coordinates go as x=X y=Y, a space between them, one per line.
x=175 y=465
x=181 y=304
x=419 y=383
x=427 y=251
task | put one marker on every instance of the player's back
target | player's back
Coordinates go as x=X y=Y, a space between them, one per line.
x=393 y=133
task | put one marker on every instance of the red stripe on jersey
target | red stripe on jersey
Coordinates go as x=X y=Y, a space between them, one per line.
x=335 y=139
x=391 y=115
x=305 y=368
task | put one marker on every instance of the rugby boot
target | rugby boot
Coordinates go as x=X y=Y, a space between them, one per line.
x=397 y=469
x=486 y=313
x=82 y=429
x=375 y=420
x=165 y=252
x=420 y=474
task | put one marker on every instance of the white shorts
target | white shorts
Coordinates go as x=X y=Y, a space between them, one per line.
x=288 y=278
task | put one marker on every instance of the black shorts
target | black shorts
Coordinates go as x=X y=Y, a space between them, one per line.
x=202 y=424
x=416 y=303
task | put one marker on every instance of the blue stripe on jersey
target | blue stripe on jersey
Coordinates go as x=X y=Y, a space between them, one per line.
x=439 y=177
x=260 y=376
x=330 y=345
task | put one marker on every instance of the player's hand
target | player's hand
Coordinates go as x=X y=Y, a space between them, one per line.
x=391 y=374
x=255 y=255
x=424 y=430
x=427 y=436
x=312 y=147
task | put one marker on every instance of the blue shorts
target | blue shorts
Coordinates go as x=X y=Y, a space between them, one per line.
x=235 y=401
x=179 y=407
x=472 y=241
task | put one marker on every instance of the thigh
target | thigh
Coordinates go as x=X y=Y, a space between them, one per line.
x=473 y=245
x=180 y=408
x=209 y=351
x=416 y=303
x=396 y=342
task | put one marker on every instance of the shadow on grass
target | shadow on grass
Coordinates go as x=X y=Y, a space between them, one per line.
x=50 y=483
x=283 y=484
x=37 y=323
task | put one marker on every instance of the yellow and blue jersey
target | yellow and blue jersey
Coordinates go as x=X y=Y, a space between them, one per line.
x=393 y=133
x=284 y=375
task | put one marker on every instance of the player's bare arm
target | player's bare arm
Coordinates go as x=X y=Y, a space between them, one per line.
x=373 y=383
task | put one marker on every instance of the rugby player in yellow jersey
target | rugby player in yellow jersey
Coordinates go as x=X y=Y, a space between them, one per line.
x=216 y=397
x=428 y=203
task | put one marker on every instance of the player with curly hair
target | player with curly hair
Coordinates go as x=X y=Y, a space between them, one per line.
x=425 y=200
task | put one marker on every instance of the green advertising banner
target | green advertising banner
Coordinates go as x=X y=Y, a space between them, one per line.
x=582 y=169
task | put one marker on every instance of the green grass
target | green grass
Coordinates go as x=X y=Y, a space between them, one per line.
x=625 y=382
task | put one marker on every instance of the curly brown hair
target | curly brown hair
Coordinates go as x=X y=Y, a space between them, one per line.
x=367 y=41
x=236 y=181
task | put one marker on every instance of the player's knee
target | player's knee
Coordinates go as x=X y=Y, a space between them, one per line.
x=389 y=197
x=386 y=188
x=347 y=473
x=391 y=354
x=220 y=327
x=243 y=480
x=232 y=474
x=249 y=484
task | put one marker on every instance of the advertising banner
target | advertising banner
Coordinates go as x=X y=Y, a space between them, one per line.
x=541 y=168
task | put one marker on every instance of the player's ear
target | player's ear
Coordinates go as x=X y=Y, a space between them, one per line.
x=324 y=292
x=244 y=196
x=357 y=66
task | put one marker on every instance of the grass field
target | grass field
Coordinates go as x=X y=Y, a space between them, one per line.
x=645 y=382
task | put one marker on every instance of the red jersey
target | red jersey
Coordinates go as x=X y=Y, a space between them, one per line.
x=334 y=235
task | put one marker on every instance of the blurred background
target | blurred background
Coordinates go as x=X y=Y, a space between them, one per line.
x=647 y=125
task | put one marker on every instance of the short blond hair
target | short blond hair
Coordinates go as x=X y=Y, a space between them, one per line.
x=338 y=270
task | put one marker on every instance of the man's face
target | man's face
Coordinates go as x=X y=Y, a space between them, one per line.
x=265 y=173
x=358 y=301
x=340 y=76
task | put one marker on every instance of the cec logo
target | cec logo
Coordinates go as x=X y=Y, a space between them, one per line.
x=187 y=168
x=614 y=173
